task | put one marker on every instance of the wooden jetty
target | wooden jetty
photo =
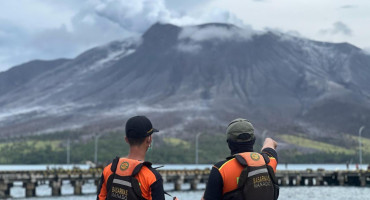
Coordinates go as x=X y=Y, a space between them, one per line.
x=77 y=178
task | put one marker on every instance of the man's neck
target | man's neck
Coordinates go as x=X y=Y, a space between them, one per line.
x=136 y=153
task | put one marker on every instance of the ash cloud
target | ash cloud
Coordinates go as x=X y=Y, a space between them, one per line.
x=191 y=37
x=337 y=28
x=139 y=15
x=215 y=32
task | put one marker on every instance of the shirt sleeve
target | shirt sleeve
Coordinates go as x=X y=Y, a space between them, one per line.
x=270 y=152
x=214 y=186
x=102 y=191
x=156 y=188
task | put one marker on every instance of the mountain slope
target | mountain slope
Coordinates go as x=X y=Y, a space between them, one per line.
x=190 y=79
x=22 y=74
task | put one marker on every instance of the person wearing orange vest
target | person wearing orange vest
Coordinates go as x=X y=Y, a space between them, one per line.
x=224 y=177
x=130 y=177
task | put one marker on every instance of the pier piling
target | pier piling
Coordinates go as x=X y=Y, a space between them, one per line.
x=5 y=189
x=179 y=182
x=77 y=186
x=194 y=183
x=30 y=188
x=56 y=187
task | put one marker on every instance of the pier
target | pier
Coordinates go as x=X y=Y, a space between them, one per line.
x=324 y=178
x=77 y=178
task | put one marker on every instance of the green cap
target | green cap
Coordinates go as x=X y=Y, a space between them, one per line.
x=240 y=130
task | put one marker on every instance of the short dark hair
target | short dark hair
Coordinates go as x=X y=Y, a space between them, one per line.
x=136 y=141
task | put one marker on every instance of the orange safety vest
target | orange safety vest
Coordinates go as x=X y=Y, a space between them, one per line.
x=231 y=169
x=125 y=167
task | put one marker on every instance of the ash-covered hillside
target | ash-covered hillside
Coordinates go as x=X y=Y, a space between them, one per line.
x=191 y=79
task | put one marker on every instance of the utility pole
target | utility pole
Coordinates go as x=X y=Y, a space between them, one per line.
x=359 y=142
x=196 y=147
x=68 y=150
x=96 y=148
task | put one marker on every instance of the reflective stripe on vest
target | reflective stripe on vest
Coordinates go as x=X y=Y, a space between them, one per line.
x=122 y=182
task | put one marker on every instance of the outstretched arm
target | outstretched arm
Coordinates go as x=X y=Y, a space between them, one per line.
x=268 y=148
x=269 y=143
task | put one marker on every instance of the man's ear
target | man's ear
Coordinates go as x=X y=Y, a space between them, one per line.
x=149 y=139
x=126 y=140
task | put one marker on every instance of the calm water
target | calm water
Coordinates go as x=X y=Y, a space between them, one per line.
x=286 y=193
x=279 y=167
x=185 y=166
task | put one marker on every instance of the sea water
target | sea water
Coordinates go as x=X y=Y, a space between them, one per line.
x=183 y=167
x=286 y=193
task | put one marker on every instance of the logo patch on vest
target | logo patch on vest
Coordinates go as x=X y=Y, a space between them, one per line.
x=124 y=166
x=255 y=156
x=261 y=181
x=119 y=193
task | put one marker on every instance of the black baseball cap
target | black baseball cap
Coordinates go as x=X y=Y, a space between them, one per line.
x=139 y=127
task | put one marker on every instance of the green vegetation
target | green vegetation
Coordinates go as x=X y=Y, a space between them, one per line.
x=320 y=146
x=212 y=148
x=293 y=156
x=323 y=152
x=52 y=149
x=27 y=152
x=365 y=143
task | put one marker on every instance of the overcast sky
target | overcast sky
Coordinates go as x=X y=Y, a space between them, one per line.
x=45 y=29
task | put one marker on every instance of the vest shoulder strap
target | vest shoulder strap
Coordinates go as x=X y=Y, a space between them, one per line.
x=266 y=157
x=147 y=164
x=241 y=160
x=113 y=167
x=139 y=166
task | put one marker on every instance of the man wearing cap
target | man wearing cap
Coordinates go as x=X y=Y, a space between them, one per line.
x=130 y=177
x=224 y=177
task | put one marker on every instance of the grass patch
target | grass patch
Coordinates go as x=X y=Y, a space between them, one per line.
x=365 y=143
x=176 y=142
x=312 y=144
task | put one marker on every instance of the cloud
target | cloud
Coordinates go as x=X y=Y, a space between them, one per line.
x=348 y=6
x=133 y=15
x=181 y=5
x=191 y=36
x=338 y=28
x=367 y=50
x=221 y=32
x=138 y=15
x=85 y=30
x=74 y=26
